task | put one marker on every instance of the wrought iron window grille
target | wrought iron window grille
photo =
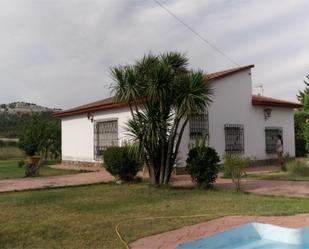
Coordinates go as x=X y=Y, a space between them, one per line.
x=234 y=138
x=271 y=138
x=105 y=135
x=199 y=125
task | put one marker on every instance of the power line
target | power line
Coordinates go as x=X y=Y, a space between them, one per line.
x=196 y=33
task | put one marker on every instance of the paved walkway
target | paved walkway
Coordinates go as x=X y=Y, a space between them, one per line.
x=55 y=181
x=266 y=187
x=262 y=187
x=170 y=240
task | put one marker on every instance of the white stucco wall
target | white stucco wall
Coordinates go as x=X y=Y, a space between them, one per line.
x=280 y=117
x=77 y=138
x=78 y=133
x=231 y=105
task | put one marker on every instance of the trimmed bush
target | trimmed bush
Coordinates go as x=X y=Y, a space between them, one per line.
x=298 y=168
x=203 y=165
x=121 y=162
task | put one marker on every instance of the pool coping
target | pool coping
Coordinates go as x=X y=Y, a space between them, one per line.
x=170 y=240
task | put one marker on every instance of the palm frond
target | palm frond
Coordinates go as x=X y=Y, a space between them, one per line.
x=126 y=88
x=178 y=61
x=194 y=92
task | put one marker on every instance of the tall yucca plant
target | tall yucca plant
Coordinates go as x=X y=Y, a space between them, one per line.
x=162 y=93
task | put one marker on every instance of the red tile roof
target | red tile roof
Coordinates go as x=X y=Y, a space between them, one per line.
x=110 y=103
x=267 y=101
x=222 y=74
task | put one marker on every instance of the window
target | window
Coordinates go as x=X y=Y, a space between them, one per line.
x=271 y=137
x=105 y=135
x=234 y=138
x=198 y=125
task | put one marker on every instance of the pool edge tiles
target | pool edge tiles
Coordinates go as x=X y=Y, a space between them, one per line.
x=243 y=233
x=248 y=233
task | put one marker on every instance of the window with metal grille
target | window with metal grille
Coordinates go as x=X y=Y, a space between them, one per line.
x=105 y=135
x=198 y=125
x=271 y=137
x=234 y=138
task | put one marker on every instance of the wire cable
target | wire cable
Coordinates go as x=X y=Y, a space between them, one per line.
x=197 y=34
x=126 y=245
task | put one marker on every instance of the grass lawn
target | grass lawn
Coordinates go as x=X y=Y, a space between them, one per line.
x=10 y=169
x=277 y=175
x=85 y=217
x=10 y=152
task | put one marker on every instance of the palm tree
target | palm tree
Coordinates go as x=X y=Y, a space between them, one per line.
x=162 y=93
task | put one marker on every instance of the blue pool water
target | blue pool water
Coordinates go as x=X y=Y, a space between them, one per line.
x=254 y=236
x=265 y=244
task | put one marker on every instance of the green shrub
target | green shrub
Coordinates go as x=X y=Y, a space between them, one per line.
x=286 y=158
x=298 y=168
x=226 y=173
x=21 y=163
x=203 y=165
x=121 y=162
x=235 y=166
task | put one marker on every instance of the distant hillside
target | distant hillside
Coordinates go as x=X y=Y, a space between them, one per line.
x=14 y=116
x=24 y=107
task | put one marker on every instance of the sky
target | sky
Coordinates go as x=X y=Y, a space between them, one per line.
x=58 y=53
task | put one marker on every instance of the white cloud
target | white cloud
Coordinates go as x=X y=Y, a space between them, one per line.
x=58 y=53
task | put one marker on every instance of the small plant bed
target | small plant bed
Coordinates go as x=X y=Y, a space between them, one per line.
x=296 y=171
x=11 y=169
x=277 y=175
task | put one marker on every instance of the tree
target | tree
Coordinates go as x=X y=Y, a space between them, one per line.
x=161 y=93
x=41 y=136
x=301 y=118
x=51 y=140
x=303 y=96
x=32 y=137
x=12 y=124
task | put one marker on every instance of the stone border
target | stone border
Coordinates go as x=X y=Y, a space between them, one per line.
x=170 y=240
x=82 y=165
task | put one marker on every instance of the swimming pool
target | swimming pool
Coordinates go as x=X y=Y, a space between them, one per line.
x=254 y=236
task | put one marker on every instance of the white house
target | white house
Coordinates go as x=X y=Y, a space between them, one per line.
x=236 y=122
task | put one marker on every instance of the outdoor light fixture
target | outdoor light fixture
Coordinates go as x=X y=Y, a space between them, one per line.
x=90 y=117
x=267 y=113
